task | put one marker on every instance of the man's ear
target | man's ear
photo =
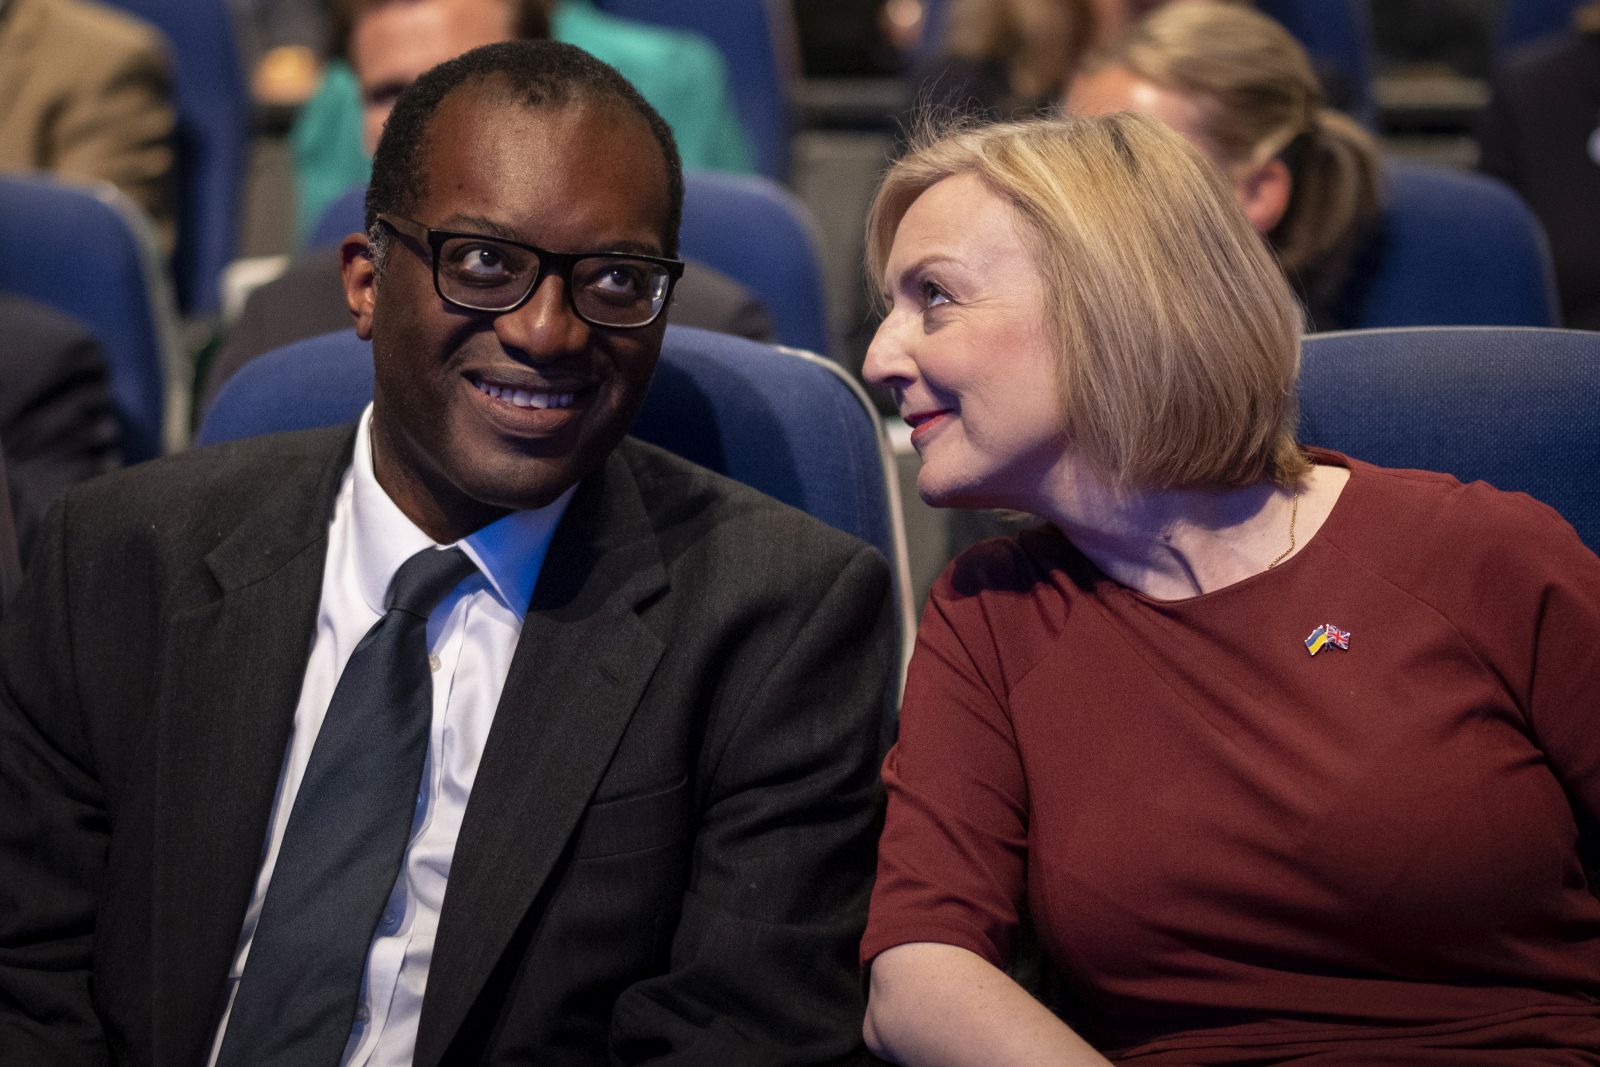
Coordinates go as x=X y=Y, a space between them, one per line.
x=360 y=276
x=1264 y=194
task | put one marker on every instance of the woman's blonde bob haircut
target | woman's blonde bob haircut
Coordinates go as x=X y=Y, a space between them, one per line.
x=1177 y=340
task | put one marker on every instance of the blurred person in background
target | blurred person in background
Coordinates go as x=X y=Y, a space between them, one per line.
x=1002 y=59
x=58 y=425
x=681 y=74
x=1243 y=91
x=86 y=94
x=1541 y=136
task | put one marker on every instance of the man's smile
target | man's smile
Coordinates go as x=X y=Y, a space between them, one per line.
x=523 y=397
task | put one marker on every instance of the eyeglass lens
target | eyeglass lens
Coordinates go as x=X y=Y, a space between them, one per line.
x=606 y=290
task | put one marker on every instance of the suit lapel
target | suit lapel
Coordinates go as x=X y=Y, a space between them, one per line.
x=580 y=668
x=236 y=663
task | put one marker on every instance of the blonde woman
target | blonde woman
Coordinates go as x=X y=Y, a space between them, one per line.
x=1284 y=754
x=1243 y=91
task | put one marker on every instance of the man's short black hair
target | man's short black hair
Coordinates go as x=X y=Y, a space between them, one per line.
x=535 y=74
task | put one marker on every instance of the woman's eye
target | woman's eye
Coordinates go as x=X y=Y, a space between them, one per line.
x=933 y=296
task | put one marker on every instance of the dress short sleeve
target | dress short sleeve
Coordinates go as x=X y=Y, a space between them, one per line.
x=952 y=862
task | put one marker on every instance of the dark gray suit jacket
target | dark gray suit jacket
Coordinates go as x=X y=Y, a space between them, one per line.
x=10 y=559
x=669 y=846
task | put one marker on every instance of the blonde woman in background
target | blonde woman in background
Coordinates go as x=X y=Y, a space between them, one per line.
x=1284 y=755
x=1244 y=92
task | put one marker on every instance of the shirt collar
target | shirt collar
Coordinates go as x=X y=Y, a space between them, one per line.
x=509 y=552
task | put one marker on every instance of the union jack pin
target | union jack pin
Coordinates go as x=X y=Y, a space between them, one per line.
x=1325 y=635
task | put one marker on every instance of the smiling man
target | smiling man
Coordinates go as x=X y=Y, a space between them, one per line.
x=475 y=732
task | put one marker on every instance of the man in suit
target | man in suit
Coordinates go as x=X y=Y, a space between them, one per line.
x=649 y=780
x=88 y=97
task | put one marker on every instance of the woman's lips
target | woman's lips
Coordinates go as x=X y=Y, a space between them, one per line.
x=922 y=423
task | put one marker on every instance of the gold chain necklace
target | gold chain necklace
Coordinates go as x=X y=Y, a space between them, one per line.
x=1294 y=513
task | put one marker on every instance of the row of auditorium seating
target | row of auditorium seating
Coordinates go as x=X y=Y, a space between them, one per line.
x=757 y=39
x=1453 y=248
x=1517 y=407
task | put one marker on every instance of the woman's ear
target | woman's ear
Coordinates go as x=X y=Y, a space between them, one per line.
x=1263 y=192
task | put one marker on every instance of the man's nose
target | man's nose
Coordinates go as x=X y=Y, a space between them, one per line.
x=545 y=327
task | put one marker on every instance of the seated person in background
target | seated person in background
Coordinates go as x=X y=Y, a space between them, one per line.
x=1541 y=136
x=57 y=422
x=681 y=74
x=1284 y=755
x=87 y=96
x=1243 y=91
x=1005 y=59
x=599 y=786
x=1001 y=59
x=390 y=44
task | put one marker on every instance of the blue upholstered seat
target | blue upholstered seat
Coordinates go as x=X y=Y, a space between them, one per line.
x=1453 y=249
x=213 y=137
x=1518 y=408
x=88 y=251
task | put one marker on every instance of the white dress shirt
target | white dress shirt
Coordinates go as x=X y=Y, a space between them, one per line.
x=472 y=634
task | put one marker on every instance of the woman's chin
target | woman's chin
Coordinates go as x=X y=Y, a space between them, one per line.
x=946 y=493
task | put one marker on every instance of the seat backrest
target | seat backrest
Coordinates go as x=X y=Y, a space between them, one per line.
x=1453 y=248
x=759 y=44
x=115 y=285
x=762 y=236
x=213 y=136
x=748 y=227
x=345 y=214
x=788 y=423
x=1525 y=21
x=1517 y=408
x=1338 y=34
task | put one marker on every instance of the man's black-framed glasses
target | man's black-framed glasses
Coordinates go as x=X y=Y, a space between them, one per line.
x=477 y=272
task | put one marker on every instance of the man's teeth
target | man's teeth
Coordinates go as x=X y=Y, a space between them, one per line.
x=522 y=398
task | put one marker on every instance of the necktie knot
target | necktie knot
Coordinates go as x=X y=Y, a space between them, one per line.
x=424 y=579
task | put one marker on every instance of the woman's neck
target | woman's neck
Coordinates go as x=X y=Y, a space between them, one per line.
x=1181 y=543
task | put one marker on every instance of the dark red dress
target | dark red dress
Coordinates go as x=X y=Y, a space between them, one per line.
x=1237 y=852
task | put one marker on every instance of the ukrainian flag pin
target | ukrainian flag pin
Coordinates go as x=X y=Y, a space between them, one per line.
x=1325 y=635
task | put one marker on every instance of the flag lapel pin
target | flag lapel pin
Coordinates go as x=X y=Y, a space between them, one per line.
x=1325 y=635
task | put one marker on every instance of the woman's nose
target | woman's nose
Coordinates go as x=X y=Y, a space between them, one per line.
x=888 y=360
